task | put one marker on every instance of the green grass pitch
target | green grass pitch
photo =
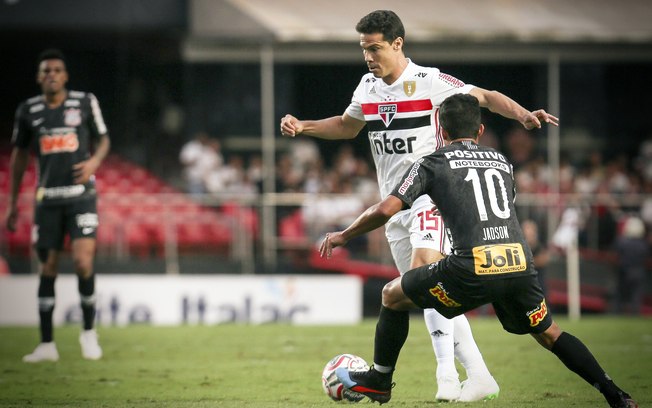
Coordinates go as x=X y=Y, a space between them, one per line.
x=280 y=365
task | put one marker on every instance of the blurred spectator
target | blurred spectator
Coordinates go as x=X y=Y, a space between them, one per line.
x=539 y=250
x=644 y=160
x=199 y=157
x=633 y=251
x=289 y=179
x=344 y=162
x=230 y=178
x=596 y=167
x=520 y=146
x=304 y=153
x=570 y=224
x=566 y=176
x=255 y=169
x=585 y=184
x=601 y=224
x=314 y=181
x=489 y=139
x=646 y=205
x=325 y=212
x=364 y=182
x=616 y=176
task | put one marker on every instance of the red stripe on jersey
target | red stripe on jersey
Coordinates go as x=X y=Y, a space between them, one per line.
x=401 y=106
x=437 y=130
x=442 y=237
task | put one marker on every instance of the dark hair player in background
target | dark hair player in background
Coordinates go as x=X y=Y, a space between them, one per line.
x=61 y=126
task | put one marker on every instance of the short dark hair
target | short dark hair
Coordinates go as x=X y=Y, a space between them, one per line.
x=382 y=21
x=50 y=53
x=460 y=116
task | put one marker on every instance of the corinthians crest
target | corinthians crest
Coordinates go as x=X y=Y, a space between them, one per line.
x=409 y=87
x=72 y=117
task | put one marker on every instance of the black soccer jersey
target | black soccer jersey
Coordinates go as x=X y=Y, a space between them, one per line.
x=61 y=137
x=473 y=188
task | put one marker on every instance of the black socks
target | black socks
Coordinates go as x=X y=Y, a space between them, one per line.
x=87 y=293
x=46 y=307
x=577 y=357
x=391 y=332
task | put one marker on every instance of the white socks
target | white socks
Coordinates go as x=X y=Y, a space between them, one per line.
x=441 y=332
x=453 y=338
x=467 y=351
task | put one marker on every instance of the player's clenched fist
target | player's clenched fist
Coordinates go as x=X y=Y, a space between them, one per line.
x=291 y=126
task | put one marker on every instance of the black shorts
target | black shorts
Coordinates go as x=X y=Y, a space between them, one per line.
x=78 y=219
x=518 y=300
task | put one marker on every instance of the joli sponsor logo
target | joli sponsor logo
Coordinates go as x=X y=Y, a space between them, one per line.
x=499 y=258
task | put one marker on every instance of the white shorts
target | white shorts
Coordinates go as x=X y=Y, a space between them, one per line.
x=416 y=227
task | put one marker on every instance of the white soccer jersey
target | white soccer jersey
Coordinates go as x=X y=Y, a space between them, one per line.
x=402 y=118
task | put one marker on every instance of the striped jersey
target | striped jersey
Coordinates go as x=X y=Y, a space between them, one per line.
x=402 y=118
x=61 y=137
x=474 y=190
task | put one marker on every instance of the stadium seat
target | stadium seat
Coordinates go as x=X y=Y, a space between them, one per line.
x=246 y=217
x=145 y=237
x=292 y=233
x=20 y=241
x=202 y=232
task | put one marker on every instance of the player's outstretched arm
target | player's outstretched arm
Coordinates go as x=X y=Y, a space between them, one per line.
x=333 y=128
x=373 y=217
x=509 y=108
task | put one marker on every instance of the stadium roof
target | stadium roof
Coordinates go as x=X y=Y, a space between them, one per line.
x=323 y=30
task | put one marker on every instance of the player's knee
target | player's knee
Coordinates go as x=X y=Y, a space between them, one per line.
x=42 y=254
x=83 y=266
x=388 y=297
x=83 y=253
x=49 y=262
x=393 y=296
x=49 y=269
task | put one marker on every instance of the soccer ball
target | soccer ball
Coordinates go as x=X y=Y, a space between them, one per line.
x=332 y=386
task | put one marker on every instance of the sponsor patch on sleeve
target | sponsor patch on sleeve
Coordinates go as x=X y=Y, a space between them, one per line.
x=451 y=80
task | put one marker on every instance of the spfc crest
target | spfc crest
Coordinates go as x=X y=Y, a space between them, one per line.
x=72 y=117
x=387 y=113
x=409 y=87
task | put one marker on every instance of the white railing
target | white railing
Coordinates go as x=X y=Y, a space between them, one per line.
x=245 y=241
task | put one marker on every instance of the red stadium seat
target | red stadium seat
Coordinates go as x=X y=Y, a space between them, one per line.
x=145 y=237
x=246 y=217
x=19 y=242
x=138 y=212
x=292 y=233
x=202 y=233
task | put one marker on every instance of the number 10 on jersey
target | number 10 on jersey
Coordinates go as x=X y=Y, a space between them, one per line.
x=493 y=192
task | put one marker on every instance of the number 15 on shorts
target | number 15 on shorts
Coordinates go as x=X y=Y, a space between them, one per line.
x=428 y=220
